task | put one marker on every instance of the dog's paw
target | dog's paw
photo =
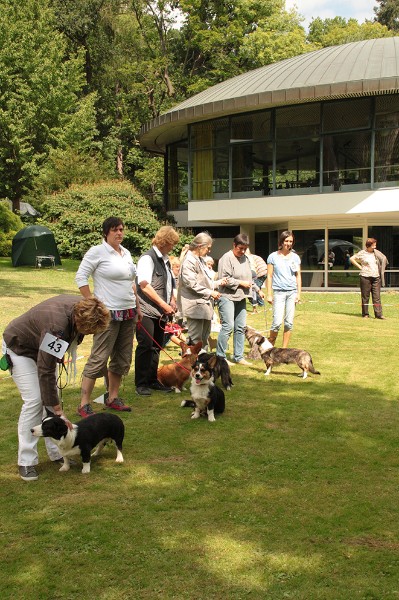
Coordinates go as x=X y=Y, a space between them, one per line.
x=211 y=418
x=64 y=468
x=195 y=415
x=86 y=468
x=177 y=391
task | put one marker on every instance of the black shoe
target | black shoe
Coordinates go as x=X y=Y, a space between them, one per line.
x=141 y=390
x=159 y=387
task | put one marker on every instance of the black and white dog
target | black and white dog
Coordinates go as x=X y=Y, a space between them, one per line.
x=206 y=397
x=84 y=436
x=220 y=367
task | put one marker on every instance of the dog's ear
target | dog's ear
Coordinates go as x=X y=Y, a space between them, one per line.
x=49 y=413
x=260 y=340
x=183 y=347
x=197 y=347
x=212 y=361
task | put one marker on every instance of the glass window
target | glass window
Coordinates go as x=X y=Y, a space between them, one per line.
x=386 y=158
x=251 y=127
x=252 y=168
x=298 y=121
x=346 y=160
x=309 y=245
x=177 y=156
x=347 y=114
x=297 y=165
x=387 y=112
x=387 y=242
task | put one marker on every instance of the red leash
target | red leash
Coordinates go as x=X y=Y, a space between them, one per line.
x=140 y=325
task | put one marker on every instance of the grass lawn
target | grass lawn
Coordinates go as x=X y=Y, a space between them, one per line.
x=292 y=493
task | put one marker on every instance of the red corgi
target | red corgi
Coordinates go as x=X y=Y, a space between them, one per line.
x=176 y=374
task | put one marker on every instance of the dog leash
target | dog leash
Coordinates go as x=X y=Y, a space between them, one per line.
x=141 y=326
x=265 y=315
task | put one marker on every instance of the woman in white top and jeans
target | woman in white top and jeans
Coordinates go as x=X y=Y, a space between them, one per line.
x=284 y=277
x=113 y=271
x=371 y=263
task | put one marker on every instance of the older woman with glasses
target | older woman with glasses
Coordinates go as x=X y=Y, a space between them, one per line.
x=196 y=293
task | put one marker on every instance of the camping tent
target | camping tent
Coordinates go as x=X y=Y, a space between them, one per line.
x=31 y=242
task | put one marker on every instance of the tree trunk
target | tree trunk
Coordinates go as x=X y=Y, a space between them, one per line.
x=119 y=161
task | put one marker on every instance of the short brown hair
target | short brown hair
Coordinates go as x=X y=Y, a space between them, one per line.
x=165 y=235
x=241 y=239
x=370 y=242
x=111 y=223
x=91 y=316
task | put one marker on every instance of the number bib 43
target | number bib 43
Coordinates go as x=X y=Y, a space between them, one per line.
x=53 y=345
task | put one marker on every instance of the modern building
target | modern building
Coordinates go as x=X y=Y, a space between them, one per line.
x=310 y=144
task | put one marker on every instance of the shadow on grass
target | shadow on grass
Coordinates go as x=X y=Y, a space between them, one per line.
x=268 y=502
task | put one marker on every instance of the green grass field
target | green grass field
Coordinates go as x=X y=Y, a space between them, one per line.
x=292 y=493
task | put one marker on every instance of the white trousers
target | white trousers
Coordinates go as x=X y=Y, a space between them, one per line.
x=25 y=376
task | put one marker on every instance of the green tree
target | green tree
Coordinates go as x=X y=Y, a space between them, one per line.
x=221 y=40
x=40 y=106
x=75 y=217
x=10 y=224
x=387 y=13
x=336 y=31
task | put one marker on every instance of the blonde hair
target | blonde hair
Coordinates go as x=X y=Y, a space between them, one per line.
x=165 y=235
x=91 y=316
x=174 y=260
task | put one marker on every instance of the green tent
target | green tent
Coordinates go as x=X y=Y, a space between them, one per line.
x=34 y=246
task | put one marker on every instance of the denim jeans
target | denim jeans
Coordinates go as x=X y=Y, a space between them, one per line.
x=233 y=318
x=283 y=308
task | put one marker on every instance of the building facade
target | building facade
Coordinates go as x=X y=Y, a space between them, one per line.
x=309 y=144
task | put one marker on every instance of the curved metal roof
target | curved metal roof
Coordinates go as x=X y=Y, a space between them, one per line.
x=361 y=68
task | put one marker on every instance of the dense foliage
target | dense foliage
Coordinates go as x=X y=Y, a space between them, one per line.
x=79 y=77
x=387 y=13
x=75 y=217
x=10 y=223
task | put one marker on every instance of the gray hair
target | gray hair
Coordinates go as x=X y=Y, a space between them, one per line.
x=201 y=239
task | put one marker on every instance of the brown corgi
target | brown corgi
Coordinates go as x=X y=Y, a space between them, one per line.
x=175 y=374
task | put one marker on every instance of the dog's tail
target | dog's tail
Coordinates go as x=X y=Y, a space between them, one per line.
x=313 y=370
x=188 y=404
x=225 y=374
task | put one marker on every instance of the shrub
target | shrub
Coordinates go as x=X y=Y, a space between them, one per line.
x=10 y=223
x=75 y=217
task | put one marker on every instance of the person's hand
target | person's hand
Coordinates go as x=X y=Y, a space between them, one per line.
x=215 y=295
x=139 y=314
x=297 y=299
x=67 y=422
x=269 y=299
x=168 y=309
x=261 y=294
x=246 y=284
